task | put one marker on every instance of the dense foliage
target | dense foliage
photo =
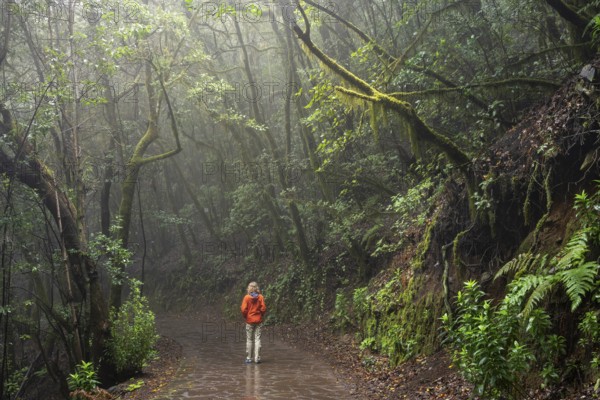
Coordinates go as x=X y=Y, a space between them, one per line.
x=343 y=154
x=495 y=347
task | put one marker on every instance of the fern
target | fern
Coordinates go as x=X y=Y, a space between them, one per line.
x=579 y=281
x=539 y=293
x=526 y=262
x=573 y=272
x=577 y=275
x=575 y=250
x=521 y=287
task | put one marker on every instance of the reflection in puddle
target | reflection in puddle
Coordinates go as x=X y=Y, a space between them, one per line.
x=252 y=382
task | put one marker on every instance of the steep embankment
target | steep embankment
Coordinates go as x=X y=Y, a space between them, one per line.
x=528 y=181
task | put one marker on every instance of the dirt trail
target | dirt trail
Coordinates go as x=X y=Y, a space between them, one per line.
x=213 y=365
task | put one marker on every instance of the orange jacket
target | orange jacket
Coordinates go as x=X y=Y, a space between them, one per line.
x=253 y=309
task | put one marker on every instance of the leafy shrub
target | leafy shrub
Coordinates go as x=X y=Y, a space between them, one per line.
x=410 y=209
x=83 y=383
x=14 y=381
x=495 y=347
x=590 y=330
x=84 y=377
x=111 y=254
x=133 y=333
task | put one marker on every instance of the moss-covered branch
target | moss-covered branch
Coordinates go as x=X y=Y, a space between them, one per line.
x=370 y=93
x=330 y=63
x=138 y=160
x=423 y=132
x=354 y=93
x=395 y=63
x=174 y=128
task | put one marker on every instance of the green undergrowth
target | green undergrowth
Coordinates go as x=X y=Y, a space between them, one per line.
x=549 y=314
x=397 y=314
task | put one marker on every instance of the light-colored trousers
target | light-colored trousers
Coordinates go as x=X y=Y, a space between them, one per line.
x=253 y=340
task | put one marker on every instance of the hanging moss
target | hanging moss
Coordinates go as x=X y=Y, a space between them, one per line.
x=459 y=158
x=374 y=110
x=548 y=193
x=527 y=203
x=411 y=135
x=352 y=102
x=455 y=243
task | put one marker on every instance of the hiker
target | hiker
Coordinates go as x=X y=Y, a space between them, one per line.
x=253 y=310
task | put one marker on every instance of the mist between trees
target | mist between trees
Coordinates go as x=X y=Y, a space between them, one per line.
x=247 y=12
x=327 y=149
x=234 y=251
x=223 y=172
x=126 y=11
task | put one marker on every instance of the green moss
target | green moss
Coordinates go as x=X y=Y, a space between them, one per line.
x=399 y=322
x=425 y=244
x=527 y=202
x=548 y=193
x=455 y=243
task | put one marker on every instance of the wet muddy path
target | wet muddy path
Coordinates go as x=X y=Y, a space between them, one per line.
x=213 y=366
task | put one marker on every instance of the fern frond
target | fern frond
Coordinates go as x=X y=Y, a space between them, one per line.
x=520 y=287
x=526 y=262
x=539 y=293
x=575 y=250
x=579 y=281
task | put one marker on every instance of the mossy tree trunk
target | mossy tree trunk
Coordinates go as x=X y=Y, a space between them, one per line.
x=138 y=160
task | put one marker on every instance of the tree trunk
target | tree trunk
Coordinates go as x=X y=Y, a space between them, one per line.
x=33 y=173
x=293 y=209
x=187 y=253
x=196 y=201
x=135 y=164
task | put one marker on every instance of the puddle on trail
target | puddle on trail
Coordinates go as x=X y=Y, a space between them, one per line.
x=213 y=367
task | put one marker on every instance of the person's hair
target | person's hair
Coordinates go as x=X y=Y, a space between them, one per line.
x=253 y=287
